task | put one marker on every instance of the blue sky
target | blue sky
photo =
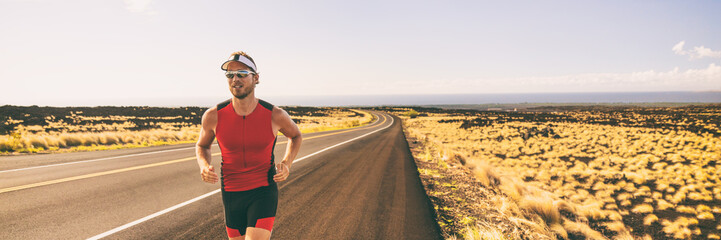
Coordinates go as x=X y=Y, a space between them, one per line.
x=147 y=51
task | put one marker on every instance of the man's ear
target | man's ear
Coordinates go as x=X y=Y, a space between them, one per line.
x=257 y=78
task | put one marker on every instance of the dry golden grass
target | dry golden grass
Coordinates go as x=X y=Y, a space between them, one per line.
x=333 y=120
x=44 y=142
x=483 y=232
x=95 y=135
x=437 y=171
x=665 y=179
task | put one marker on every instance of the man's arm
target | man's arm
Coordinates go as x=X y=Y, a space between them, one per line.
x=202 y=147
x=291 y=131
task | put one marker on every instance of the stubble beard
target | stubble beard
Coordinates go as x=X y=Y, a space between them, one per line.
x=244 y=94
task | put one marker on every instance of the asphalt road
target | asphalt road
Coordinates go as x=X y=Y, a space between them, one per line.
x=359 y=183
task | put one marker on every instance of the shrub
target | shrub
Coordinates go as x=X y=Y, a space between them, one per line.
x=686 y=209
x=482 y=232
x=543 y=206
x=35 y=141
x=7 y=144
x=650 y=219
x=411 y=113
x=643 y=208
x=706 y=216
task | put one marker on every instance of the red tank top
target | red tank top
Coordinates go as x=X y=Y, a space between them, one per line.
x=246 y=147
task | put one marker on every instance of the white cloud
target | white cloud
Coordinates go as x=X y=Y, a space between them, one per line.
x=678 y=48
x=673 y=80
x=706 y=52
x=696 y=52
x=140 y=6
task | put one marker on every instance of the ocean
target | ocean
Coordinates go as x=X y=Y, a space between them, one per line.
x=448 y=99
x=417 y=100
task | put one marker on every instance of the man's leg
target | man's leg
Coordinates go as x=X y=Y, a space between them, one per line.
x=235 y=215
x=261 y=213
x=234 y=234
x=252 y=233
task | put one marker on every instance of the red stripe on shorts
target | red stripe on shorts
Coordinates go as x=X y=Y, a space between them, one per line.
x=265 y=223
x=232 y=232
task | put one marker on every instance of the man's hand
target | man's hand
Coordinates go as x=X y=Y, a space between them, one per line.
x=208 y=174
x=283 y=172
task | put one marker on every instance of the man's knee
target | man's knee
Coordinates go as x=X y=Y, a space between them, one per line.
x=253 y=233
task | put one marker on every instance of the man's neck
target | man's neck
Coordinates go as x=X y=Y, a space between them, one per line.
x=246 y=105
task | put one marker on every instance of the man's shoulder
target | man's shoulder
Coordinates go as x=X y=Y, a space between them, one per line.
x=279 y=112
x=221 y=105
x=266 y=105
x=211 y=112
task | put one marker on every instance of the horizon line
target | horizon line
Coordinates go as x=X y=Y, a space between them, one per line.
x=710 y=96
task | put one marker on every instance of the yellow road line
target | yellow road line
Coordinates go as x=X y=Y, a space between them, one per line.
x=95 y=174
x=32 y=185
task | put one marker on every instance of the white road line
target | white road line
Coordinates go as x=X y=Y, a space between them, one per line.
x=151 y=216
x=325 y=149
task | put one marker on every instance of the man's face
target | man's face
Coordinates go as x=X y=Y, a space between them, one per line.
x=241 y=87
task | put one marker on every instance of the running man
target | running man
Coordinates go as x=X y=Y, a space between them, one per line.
x=246 y=128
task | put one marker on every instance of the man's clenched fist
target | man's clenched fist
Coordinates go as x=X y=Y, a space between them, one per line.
x=208 y=174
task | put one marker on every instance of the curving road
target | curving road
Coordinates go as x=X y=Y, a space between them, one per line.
x=359 y=183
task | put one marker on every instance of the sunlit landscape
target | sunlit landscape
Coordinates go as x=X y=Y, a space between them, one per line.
x=50 y=129
x=542 y=172
x=454 y=120
x=571 y=173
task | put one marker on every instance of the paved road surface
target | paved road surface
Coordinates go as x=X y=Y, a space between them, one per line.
x=365 y=188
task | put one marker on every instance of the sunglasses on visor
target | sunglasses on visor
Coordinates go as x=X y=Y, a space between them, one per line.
x=239 y=74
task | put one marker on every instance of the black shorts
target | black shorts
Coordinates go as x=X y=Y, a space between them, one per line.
x=252 y=208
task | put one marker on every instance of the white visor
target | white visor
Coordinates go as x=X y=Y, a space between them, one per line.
x=239 y=58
